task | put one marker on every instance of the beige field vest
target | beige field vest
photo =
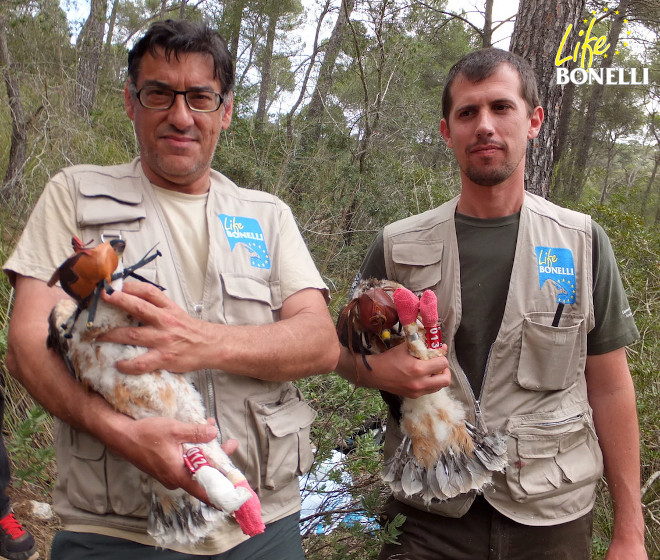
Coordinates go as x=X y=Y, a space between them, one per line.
x=534 y=390
x=269 y=419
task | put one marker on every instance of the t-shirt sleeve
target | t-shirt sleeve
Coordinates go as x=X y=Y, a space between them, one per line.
x=46 y=240
x=297 y=268
x=614 y=323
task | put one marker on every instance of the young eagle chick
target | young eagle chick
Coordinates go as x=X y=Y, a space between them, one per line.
x=441 y=454
x=175 y=516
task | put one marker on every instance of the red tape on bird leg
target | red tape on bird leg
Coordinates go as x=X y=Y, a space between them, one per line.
x=428 y=309
x=407 y=305
x=195 y=459
x=248 y=515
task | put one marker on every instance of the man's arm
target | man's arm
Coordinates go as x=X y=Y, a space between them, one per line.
x=301 y=344
x=612 y=398
x=395 y=371
x=153 y=444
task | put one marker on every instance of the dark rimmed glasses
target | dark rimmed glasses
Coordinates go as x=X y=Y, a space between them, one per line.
x=161 y=98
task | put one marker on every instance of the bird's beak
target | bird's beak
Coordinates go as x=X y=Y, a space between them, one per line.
x=118 y=245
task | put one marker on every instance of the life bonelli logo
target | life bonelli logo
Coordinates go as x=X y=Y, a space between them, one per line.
x=588 y=46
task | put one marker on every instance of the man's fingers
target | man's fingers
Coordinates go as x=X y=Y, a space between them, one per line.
x=143 y=310
x=230 y=446
x=134 y=336
x=199 y=433
x=141 y=300
x=137 y=366
x=146 y=292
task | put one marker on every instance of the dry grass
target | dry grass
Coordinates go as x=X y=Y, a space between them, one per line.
x=42 y=530
x=17 y=405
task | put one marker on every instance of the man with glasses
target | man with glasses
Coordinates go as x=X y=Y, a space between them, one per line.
x=244 y=308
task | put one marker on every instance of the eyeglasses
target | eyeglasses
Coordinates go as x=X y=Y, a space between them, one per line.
x=162 y=98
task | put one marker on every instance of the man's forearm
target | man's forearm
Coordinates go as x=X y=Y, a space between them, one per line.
x=41 y=371
x=302 y=343
x=298 y=346
x=611 y=389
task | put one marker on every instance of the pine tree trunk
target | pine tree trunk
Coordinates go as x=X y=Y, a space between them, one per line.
x=12 y=187
x=266 y=77
x=111 y=26
x=584 y=143
x=487 y=34
x=232 y=19
x=649 y=184
x=324 y=82
x=88 y=47
x=540 y=26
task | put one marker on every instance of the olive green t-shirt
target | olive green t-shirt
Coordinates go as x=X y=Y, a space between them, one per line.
x=486 y=251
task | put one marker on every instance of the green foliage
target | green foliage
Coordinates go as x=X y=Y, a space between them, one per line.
x=344 y=411
x=392 y=529
x=3 y=342
x=390 y=106
x=31 y=463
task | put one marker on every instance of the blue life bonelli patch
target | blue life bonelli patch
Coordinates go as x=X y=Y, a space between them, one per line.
x=556 y=265
x=247 y=232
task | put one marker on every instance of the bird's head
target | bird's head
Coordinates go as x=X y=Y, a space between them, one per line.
x=119 y=245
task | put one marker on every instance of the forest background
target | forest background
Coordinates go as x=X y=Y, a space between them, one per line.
x=337 y=108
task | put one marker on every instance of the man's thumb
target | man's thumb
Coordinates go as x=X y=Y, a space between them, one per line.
x=203 y=433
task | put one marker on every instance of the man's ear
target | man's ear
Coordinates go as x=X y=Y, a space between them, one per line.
x=444 y=130
x=228 y=108
x=129 y=100
x=535 y=122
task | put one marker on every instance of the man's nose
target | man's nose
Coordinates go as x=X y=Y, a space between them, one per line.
x=484 y=124
x=180 y=115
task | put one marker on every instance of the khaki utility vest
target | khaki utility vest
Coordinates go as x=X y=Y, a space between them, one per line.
x=534 y=390
x=269 y=419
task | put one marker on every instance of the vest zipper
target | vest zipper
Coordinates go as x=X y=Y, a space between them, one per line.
x=477 y=401
x=467 y=388
x=561 y=422
x=198 y=308
x=210 y=393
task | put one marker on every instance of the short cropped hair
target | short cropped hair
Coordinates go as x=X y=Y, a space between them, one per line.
x=483 y=63
x=176 y=37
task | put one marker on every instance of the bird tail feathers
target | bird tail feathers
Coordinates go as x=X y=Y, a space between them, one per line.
x=454 y=472
x=176 y=517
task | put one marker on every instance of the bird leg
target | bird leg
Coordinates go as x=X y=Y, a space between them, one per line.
x=130 y=270
x=71 y=322
x=448 y=456
x=227 y=488
x=94 y=303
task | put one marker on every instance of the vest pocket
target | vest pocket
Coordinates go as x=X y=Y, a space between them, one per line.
x=127 y=490
x=100 y=482
x=248 y=300
x=550 y=454
x=545 y=348
x=104 y=203
x=86 y=482
x=283 y=430
x=418 y=263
